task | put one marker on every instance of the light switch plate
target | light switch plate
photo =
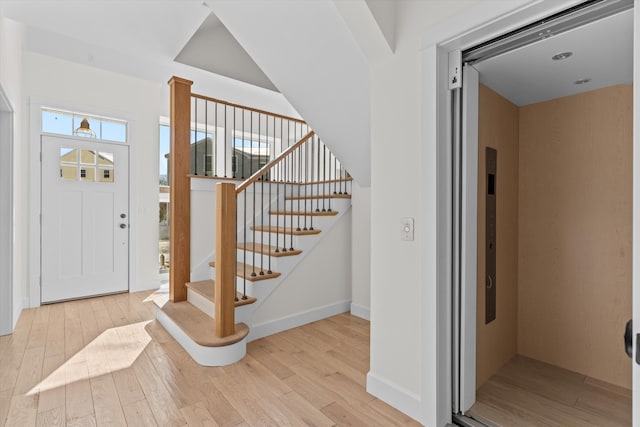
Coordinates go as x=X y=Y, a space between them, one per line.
x=406 y=229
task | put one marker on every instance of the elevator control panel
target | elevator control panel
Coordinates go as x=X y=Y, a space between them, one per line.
x=491 y=170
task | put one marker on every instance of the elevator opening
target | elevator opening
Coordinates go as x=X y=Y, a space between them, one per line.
x=553 y=352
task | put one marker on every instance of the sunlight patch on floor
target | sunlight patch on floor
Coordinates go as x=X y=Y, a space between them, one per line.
x=114 y=349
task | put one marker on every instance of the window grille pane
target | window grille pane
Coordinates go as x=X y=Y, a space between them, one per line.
x=57 y=122
x=114 y=131
x=87 y=157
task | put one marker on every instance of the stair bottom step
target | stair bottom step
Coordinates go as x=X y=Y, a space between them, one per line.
x=200 y=327
x=206 y=289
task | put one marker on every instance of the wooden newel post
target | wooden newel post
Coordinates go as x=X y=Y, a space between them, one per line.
x=180 y=189
x=225 y=288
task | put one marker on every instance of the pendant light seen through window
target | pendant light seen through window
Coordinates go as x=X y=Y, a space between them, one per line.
x=84 y=130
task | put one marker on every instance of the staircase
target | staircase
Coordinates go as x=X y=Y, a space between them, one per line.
x=265 y=225
x=260 y=268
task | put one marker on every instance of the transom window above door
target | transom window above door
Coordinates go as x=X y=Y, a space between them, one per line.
x=71 y=123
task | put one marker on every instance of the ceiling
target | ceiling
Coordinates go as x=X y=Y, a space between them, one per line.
x=213 y=48
x=185 y=33
x=602 y=52
x=148 y=39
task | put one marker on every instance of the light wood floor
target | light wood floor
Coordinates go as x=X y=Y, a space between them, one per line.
x=105 y=361
x=526 y=392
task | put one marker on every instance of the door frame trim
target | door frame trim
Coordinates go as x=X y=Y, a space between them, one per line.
x=7 y=117
x=35 y=188
x=477 y=24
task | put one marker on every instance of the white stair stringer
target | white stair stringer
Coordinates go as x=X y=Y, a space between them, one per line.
x=284 y=265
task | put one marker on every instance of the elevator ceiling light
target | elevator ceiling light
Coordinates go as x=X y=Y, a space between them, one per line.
x=561 y=56
x=581 y=81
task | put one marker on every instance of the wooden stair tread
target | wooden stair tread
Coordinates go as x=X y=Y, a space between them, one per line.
x=200 y=327
x=206 y=288
x=303 y=213
x=240 y=272
x=285 y=230
x=325 y=196
x=267 y=249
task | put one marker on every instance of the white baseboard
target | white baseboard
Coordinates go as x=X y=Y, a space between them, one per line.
x=360 y=311
x=262 y=330
x=403 y=400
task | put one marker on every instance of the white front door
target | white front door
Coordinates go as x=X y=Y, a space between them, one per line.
x=85 y=218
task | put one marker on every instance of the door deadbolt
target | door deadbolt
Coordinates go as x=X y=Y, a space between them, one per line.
x=123 y=215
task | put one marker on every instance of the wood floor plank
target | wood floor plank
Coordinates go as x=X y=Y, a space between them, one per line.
x=306 y=411
x=5 y=404
x=249 y=367
x=108 y=410
x=183 y=394
x=522 y=407
x=315 y=393
x=378 y=409
x=127 y=386
x=138 y=414
x=159 y=398
x=78 y=398
x=54 y=343
x=271 y=360
x=86 y=421
x=221 y=409
x=52 y=417
x=52 y=390
x=197 y=415
x=23 y=410
x=347 y=416
x=38 y=333
x=243 y=401
x=73 y=341
x=30 y=370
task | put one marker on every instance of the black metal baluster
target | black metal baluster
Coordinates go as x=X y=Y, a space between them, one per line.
x=299 y=150
x=311 y=175
x=317 y=177
x=261 y=201
x=242 y=156
x=244 y=258
x=253 y=266
x=324 y=175
x=329 y=183
x=305 y=180
x=195 y=139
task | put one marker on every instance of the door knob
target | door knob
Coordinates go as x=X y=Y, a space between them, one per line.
x=123 y=225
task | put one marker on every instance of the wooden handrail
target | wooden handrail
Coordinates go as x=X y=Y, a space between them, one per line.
x=244 y=107
x=266 y=168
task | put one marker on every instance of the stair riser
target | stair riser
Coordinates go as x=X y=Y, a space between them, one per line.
x=313 y=204
x=277 y=263
x=243 y=312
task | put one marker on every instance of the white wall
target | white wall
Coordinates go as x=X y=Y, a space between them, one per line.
x=398 y=182
x=11 y=42
x=321 y=279
x=361 y=251
x=82 y=88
